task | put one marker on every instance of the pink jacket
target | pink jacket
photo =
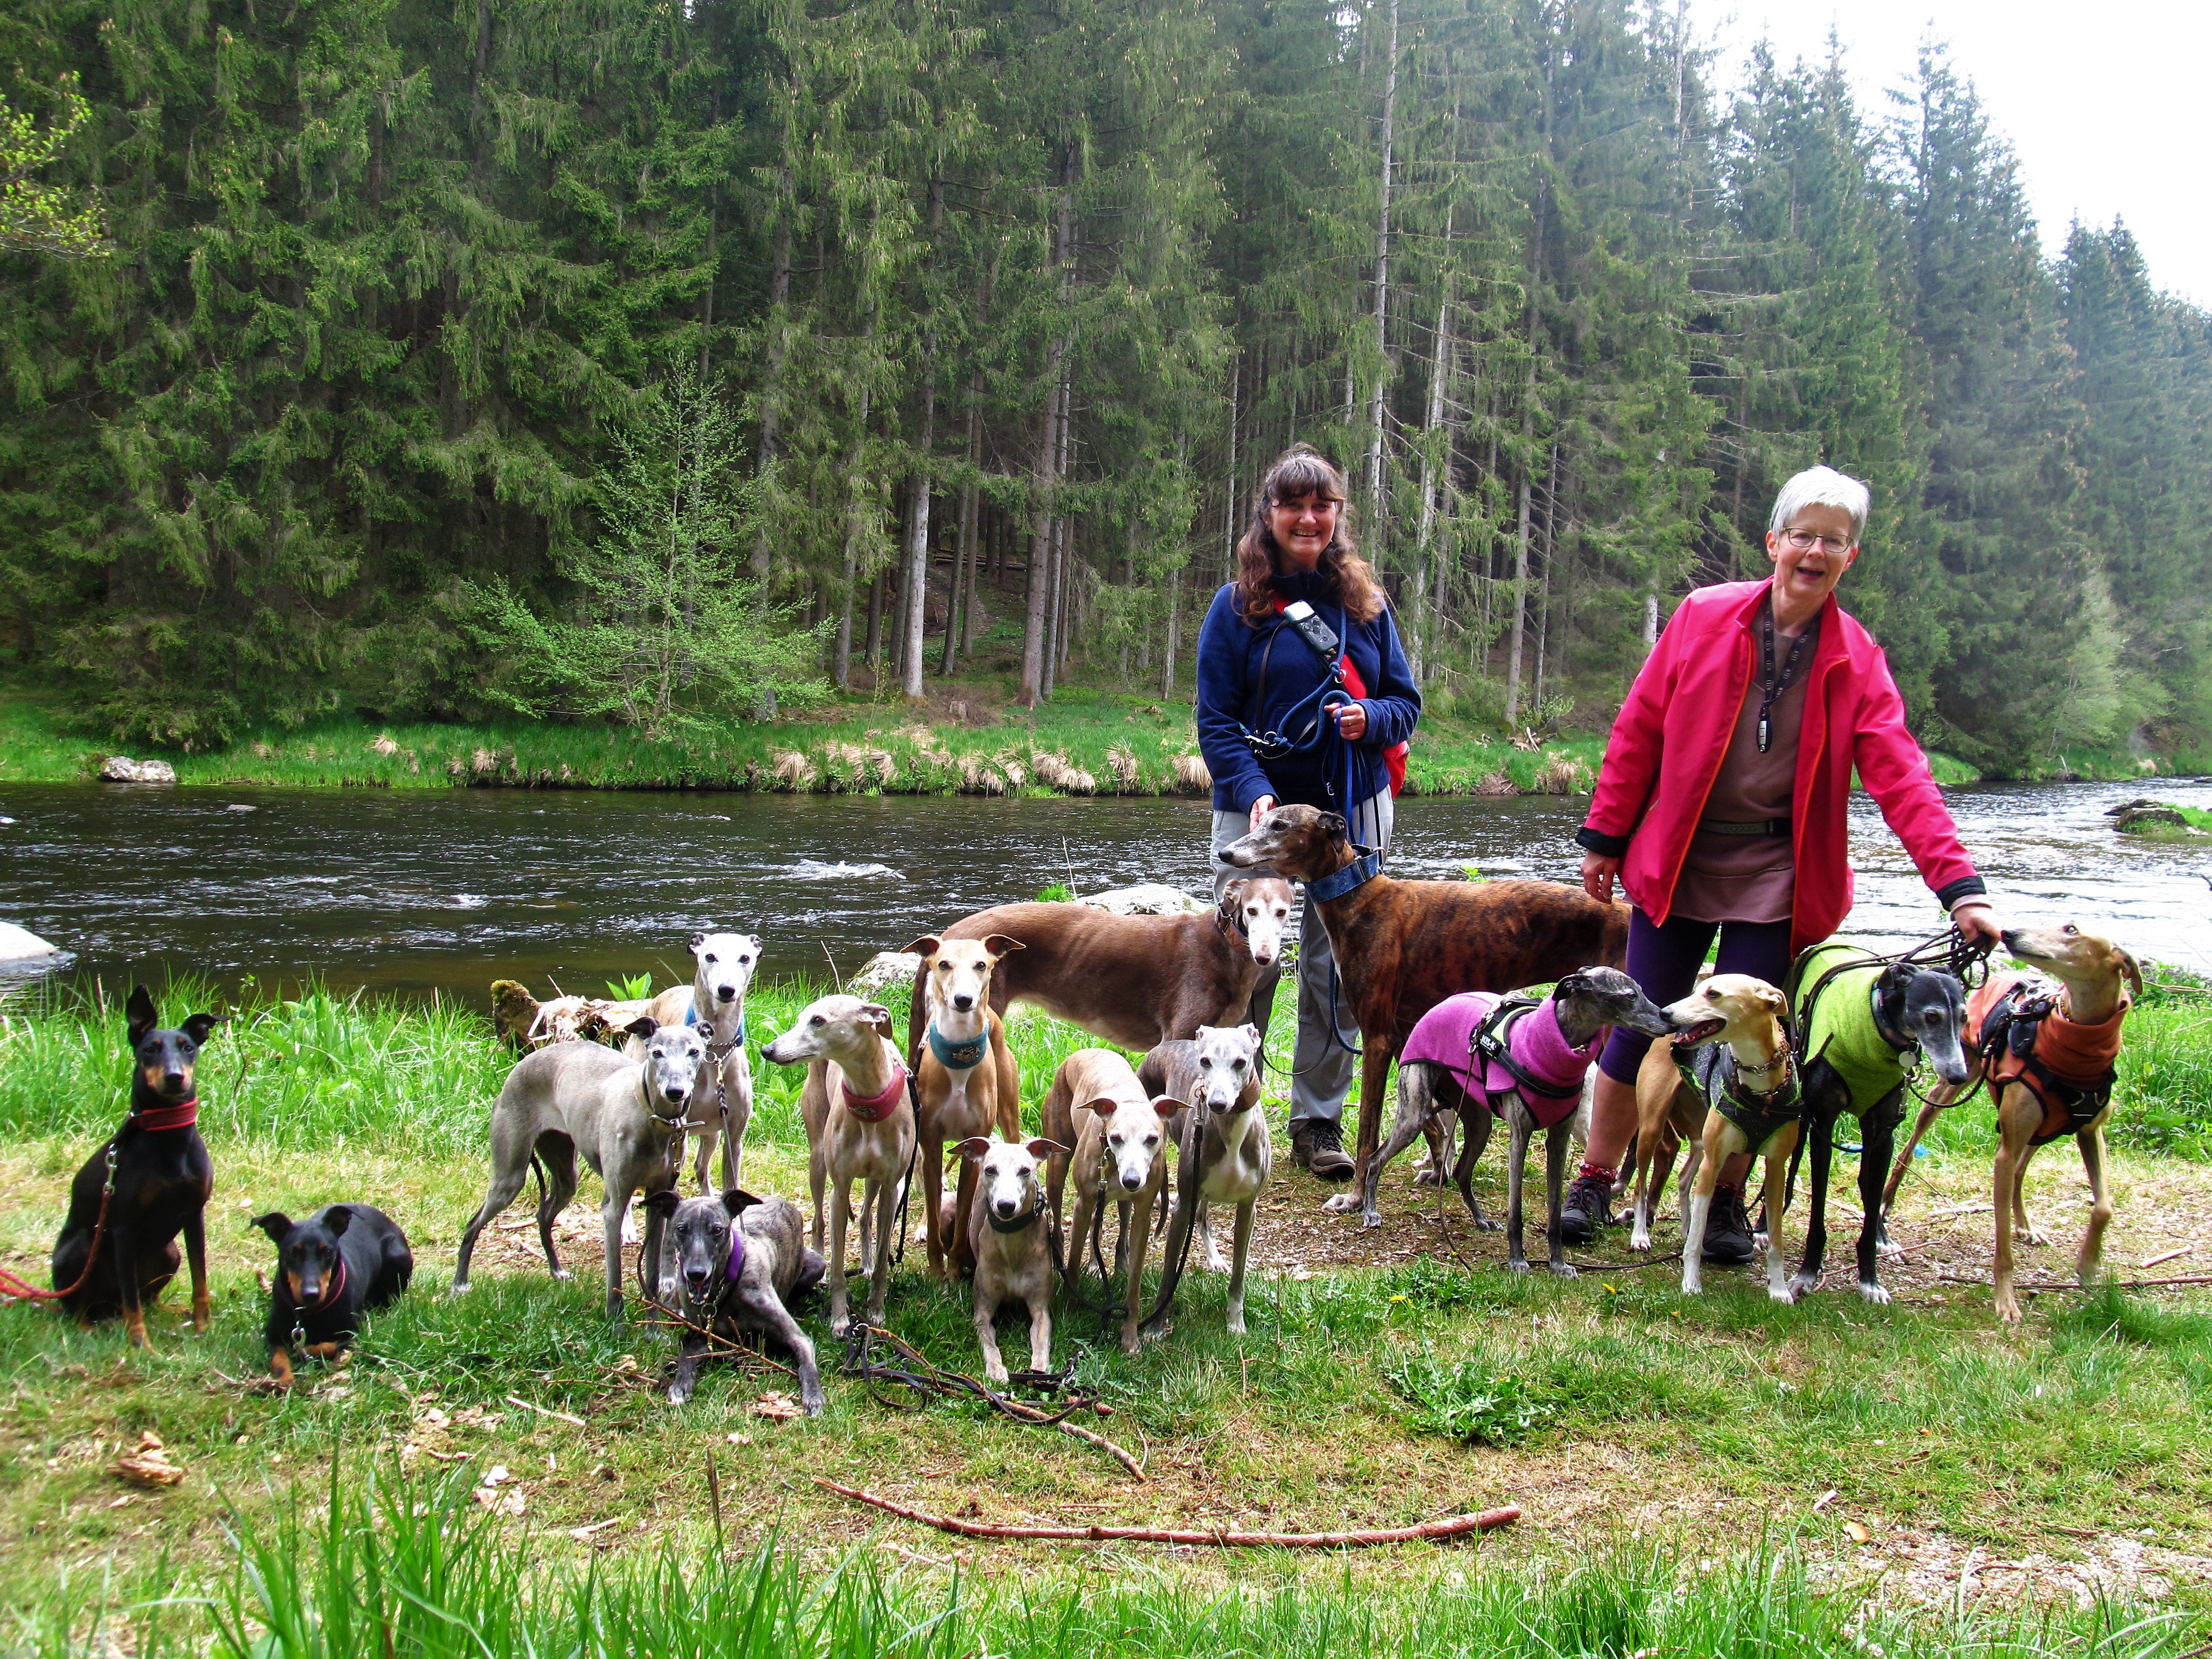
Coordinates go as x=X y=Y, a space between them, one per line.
x=1670 y=736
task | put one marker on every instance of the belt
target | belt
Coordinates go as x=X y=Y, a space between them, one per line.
x=1777 y=828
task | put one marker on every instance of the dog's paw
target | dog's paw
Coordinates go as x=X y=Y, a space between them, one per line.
x=1483 y=1223
x=1803 y=1285
x=1370 y=1218
x=1877 y=1294
x=1888 y=1246
x=459 y=1287
x=1341 y=1203
x=996 y=1373
x=1693 y=1283
x=562 y=1273
x=1639 y=1240
x=677 y=1395
x=1786 y=1294
x=1516 y=1267
x=1564 y=1270
x=2031 y=1235
x=2008 y=1310
x=1237 y=1324
x=1425 y=1176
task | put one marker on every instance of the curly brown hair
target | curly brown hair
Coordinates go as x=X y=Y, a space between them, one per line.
x=1348 y=580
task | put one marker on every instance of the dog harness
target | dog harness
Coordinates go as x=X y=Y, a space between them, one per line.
x=874 y=1108
x=1499 y=1046
x=1840 y=1019
x=2013 y=1023
x=736 y=1270
x=183 y=1114
x=962 y=1056
x=1711 y=1071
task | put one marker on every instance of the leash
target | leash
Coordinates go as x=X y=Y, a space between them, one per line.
x=922 y=1380
x=15 y=1289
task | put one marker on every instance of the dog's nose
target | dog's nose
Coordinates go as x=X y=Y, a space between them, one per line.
x=1004 y=1206
x=676 y=1093
x=963 y=1002
x=1132 y=1181
x=172 y=1079
x=725 y=992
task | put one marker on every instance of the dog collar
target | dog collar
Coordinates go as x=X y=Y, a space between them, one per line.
x=738 y=1041
x=1027 y=1218
x=736 y=1267
x=1358 y=873
x=1885 y=1028
x=874 y=1108
x=332 y=1291
x=962 y=1056
x=180 y=1115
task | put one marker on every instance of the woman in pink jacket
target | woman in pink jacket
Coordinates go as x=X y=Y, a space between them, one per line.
x=1724 y=802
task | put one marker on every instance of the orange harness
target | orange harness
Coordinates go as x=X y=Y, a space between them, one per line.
x=2013 y=1022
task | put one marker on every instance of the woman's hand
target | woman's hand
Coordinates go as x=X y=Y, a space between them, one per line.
x=1350 y=720
x=1260 y=808
x=1977 y=922
x=1598 y=871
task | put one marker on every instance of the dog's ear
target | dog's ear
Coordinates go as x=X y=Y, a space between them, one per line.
x=1255 y=1039
x=877 y=1019
x=1167 y=1106
x=199 y=1025
x=697 y=939
x=276 y=1224
x=337 y=1219
x=662 y=1203
x=142 y=1013
x=1041 y=1149
x=999 y=945
x=1576 y=984
x=925 y=947
x=1233 y=893
x=1334 y=826
x=2128 y=967
x=974 y=1147
x=1104 y=1106
x=736 y=1200
x=643 y=1026
x=1771 y=1000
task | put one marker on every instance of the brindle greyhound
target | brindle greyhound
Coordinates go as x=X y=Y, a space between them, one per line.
x=1135 y=981
x=1402 y=947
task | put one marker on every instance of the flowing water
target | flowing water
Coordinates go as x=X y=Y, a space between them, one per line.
x=410 y=892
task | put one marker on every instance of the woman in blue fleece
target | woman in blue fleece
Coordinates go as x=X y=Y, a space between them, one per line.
x=1259 y=674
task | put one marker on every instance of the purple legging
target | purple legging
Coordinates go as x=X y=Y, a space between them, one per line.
x=1664 y=958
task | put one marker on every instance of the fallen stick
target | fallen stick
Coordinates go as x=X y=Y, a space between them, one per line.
x=2100 y=1285
x=2169 y=1255
x=1457 y=1526
x=1104 y=1445
x=546 y=1410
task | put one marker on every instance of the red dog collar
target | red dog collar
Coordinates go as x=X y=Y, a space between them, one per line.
x=331 y=1290
x=874 y=1108
x=181 y=1115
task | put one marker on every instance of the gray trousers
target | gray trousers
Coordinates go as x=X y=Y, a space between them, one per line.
x=1322 y=1070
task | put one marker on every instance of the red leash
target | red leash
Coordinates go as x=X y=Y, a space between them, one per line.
x=15 y=1289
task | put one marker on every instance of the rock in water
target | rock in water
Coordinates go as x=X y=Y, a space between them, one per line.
x=2154 y=815
x=121 y=768
x=1149 y=898
x=18 y=944
x=882 y=970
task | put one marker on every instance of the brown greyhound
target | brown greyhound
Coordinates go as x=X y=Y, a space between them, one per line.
x=1403 y=946
x=966 y=1082
x=1135 y=981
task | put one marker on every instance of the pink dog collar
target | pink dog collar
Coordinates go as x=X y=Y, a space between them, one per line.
x=874 y=1108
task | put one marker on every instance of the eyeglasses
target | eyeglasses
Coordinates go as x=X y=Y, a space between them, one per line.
x=1804 y=541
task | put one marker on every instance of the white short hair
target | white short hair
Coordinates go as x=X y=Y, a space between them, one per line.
x=1822 y=486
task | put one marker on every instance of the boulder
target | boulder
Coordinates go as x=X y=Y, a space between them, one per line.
x=121 y=768
x=18 y=944
x=1149 y=898
x=2155 y=815
x=882 y=970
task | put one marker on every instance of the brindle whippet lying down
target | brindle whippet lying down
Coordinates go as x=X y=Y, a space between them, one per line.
x=2047 y=1042
x=626 y=1116
x=1448 y=1065
x=1013 y=1252
x=966 y=1083
x=859 y=1127
x=714 y=1004
x=1740 y=1069
x=741 y=1262
x=1117 y=1129
x=1135 y=981
x=1402 y=947
x=1225 y=1156
x=1861 y=1023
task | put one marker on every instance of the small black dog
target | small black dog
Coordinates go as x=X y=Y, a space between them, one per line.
x=162 y=1178
x=741 y=1262
x=330 y=1269
x=1864 y=1023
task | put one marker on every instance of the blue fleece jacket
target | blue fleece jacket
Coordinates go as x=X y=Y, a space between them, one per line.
x=1229 y=701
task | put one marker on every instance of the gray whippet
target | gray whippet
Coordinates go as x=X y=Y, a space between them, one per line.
x=626 y=1116
x=1117 y=1131
x=1225 y=1155
x=740 y=1262
x=715 y=1004
x=859 y=1126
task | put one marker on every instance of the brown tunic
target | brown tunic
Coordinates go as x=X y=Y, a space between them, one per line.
x=1749 y=878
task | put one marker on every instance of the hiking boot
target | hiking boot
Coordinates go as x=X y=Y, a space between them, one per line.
x=1317 y=1145
x=1728 y=1229
x=1587 y=1209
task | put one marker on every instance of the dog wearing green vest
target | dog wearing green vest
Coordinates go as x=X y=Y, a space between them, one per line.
x=1864 y=1024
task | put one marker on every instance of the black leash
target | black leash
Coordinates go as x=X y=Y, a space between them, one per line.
x=922 y=1380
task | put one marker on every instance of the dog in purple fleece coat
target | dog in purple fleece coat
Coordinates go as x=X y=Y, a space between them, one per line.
x=1479 y=1055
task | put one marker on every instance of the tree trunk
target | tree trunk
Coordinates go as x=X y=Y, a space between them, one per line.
x=1544 y=591
x=1229 y=506
x=779 y=298
x=1421 y=641
x=1175 y=633
x=911 y=648
x=960 y=592
x=1529 y=415
x=1036 y=619
x=1375 y=406
x=840 y=673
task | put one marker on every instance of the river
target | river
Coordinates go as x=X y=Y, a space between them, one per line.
x=409 y=892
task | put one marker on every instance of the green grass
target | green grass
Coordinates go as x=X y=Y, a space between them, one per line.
x=400 y=1565
x=1640 y=1429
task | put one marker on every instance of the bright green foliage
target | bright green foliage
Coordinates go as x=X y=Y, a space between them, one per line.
x=1043 y=289
x=33 y=214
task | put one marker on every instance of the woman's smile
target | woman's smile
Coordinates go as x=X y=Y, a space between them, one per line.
x=1304 y=527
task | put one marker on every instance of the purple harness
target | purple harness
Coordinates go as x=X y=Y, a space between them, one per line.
x=1445 y=1036
x=737 y=1253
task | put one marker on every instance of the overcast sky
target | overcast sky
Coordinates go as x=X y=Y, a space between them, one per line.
x=2105 y=102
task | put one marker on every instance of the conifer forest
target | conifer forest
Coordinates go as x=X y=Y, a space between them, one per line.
x=620 y=359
